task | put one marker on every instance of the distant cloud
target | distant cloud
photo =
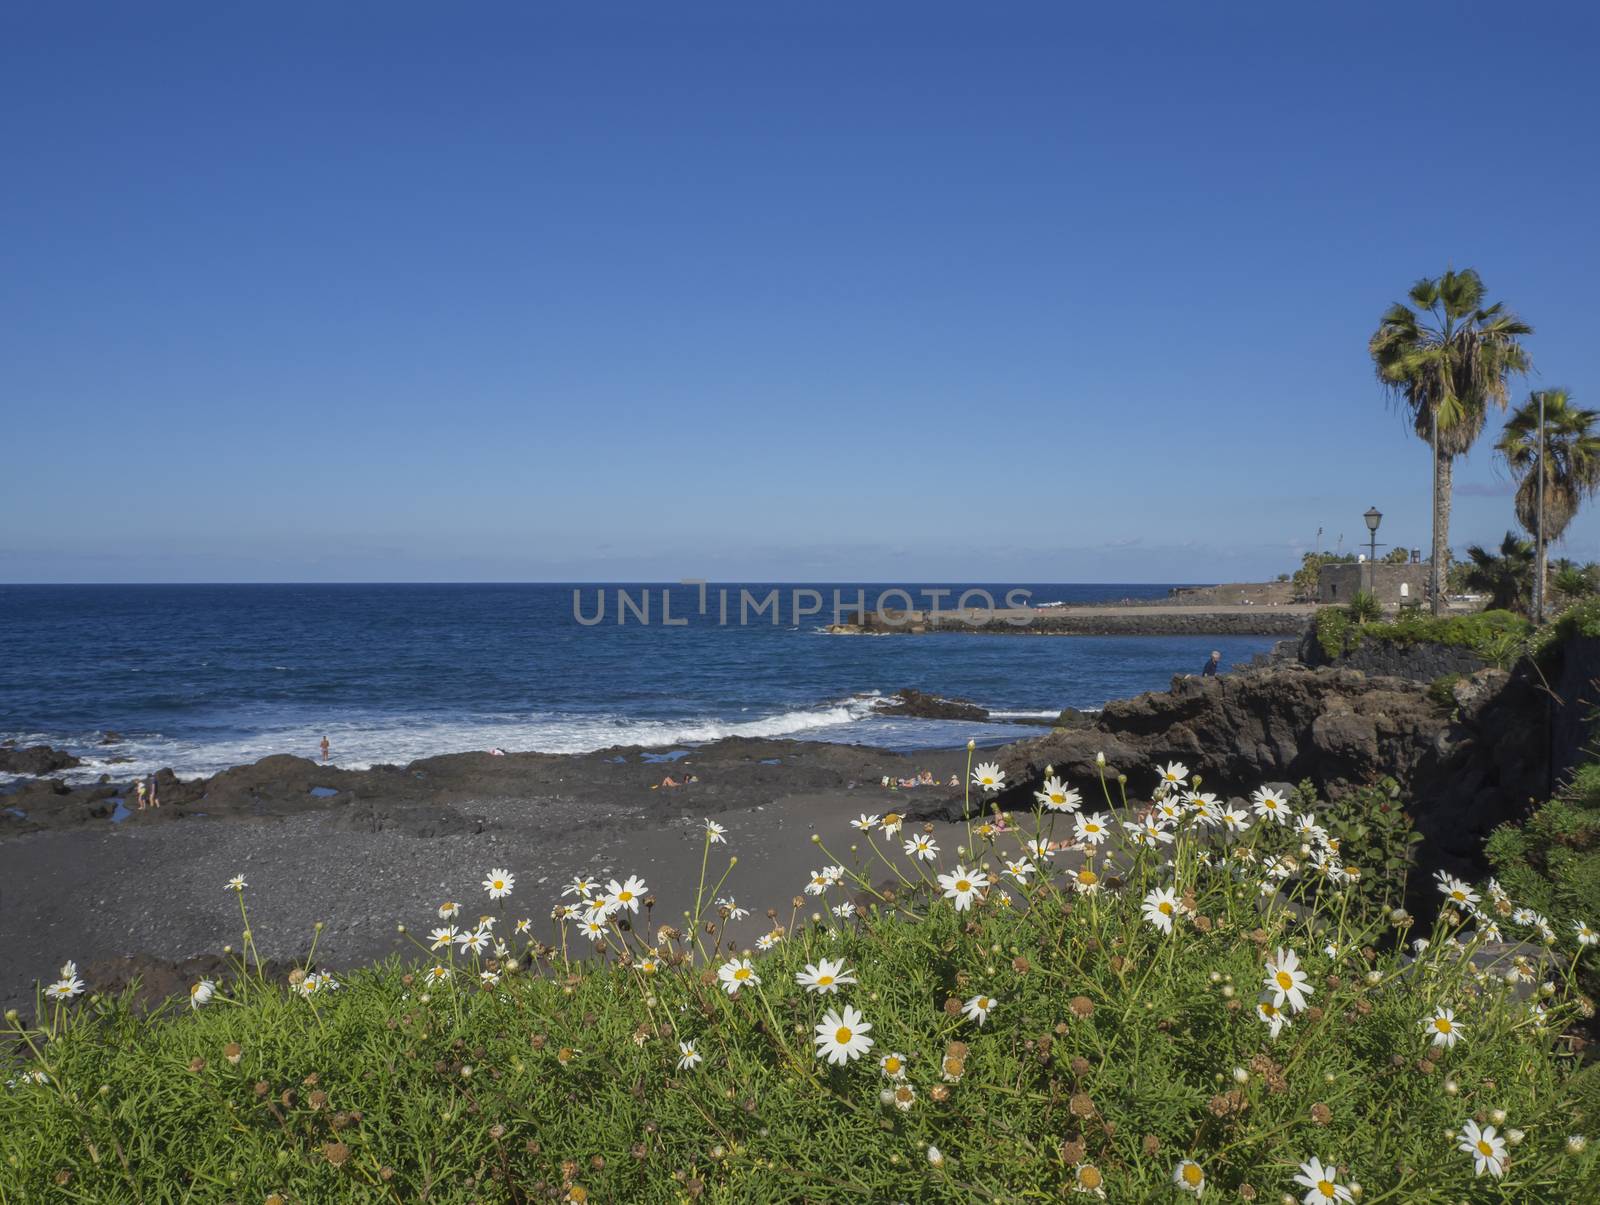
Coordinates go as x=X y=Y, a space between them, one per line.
x=1486 y=489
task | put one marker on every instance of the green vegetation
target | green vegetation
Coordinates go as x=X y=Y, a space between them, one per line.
x=1365 y=607
x=1442 y=691
x=1002 y=1034
x=1506 y=577
x=1496 y=636
x=1447 y=361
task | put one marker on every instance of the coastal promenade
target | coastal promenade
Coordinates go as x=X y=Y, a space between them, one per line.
x=1162 y=619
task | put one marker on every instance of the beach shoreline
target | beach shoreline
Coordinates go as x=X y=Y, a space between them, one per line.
x=145 y=895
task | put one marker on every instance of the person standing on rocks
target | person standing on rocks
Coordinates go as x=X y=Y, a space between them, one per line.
x=325 y=748
x=1210 y=671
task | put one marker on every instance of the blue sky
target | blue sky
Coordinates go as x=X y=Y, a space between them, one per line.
x=823 y=291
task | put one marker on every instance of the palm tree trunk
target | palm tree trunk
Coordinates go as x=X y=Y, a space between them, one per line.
x=1440 y=553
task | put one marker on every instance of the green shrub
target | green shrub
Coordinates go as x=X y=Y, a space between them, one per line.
x=1333 y=631
x=1551 y=860
x=1441 y=691
x=1365 y=607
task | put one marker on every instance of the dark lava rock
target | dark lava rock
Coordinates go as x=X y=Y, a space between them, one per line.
x=930 y=707
x=1071 y=717
x=36 y=760
x=155 y=980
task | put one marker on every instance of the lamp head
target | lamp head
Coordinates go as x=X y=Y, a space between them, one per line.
x=1373 y=517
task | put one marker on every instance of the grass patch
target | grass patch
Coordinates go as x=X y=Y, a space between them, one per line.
x=1106 y=1019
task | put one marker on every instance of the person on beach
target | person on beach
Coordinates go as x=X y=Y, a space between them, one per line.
x=154 y=802
x=325 y=748
x=1210 y=671
x=138 y=792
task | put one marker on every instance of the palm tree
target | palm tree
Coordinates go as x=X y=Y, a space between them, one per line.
x=1571 y=468
x=1446 y=361
x=1503 y=577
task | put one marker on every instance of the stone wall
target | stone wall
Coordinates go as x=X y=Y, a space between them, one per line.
x=1340 y=583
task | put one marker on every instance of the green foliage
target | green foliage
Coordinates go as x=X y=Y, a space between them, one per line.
x=1582 y=619
x=1575 y=582
x=1365 y=607
x=1551 y=860
x=1441 y=691
x=1496 y=636
x=1114 y=1048
x=1395 y=556
x=1505 y=576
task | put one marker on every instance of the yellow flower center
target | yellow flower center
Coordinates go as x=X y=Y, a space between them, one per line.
x=1088 y=878
x=1484 y=1148
x=1089 y=1177
x=742 y=973
x=842 y=1035
x=1192 y=1175
x=824 y=980
x=1442 y=1024
x=1285 y=980
x=892 y=1066
x=963 y=885
x=624 y=896
x=1325 y=1187
x=1164 y=908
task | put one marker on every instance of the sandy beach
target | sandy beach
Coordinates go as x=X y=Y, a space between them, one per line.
x=146 y=895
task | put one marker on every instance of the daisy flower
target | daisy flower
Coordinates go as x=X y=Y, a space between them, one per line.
x=443 y=937
x=767 y=940
x=842 y=1036
x=523 y=926
x=626 y=895
x=1173 y=774
x=1234 y=820
x=731 y=908
x=1286 y=981
x=1308 y=828
x=1168 y=810
x=1586 y=936
x=845 y=910
x=922 y=847
x=1270 y=804
x=499 y=883
x=1020 y=870
x=1457 y=892
x=1487 y=1149
x=1189 y=1176
x=488 y=978
x=598 y=907
x=904 y=1097
x=865 y=822
x=438 y=974
x=979 y=1007
x=688 y=1057
x=715 y=833
x=593 y=928
x=1092 y=830
x=962 y=886
x=474 y=939
x=1443 y=1026
x=893 y=1065
x=1319 y=1178
x=989 y=776
x=892 y=823
x=819 y=883
x=236 y=883
x=737 y=973
x=1147 y=833
x=1161 y=908
x=1057 y=796
x=1086 y=881
x=579 y=886
x=448 y=909
x=1038 y=847
x=200 y=994
x=68 y=986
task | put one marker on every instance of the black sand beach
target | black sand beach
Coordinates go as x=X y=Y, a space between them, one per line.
x=145 y=895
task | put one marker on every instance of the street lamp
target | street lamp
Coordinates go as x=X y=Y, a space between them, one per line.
x=1373 y=517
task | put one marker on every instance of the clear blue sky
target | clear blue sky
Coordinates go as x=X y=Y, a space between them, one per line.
x=798 y=291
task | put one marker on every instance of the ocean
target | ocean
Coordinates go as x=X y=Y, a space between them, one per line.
x=198 y=678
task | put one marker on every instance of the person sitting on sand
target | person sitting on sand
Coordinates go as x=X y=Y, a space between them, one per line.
x=925 y=779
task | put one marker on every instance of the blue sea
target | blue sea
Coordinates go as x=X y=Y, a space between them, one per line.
x=198 y=678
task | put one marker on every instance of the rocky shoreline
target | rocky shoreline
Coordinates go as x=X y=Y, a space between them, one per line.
x=364 y=850
x=1101 y=620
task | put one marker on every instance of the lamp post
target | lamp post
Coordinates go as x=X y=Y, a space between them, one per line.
x=1373 y=517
